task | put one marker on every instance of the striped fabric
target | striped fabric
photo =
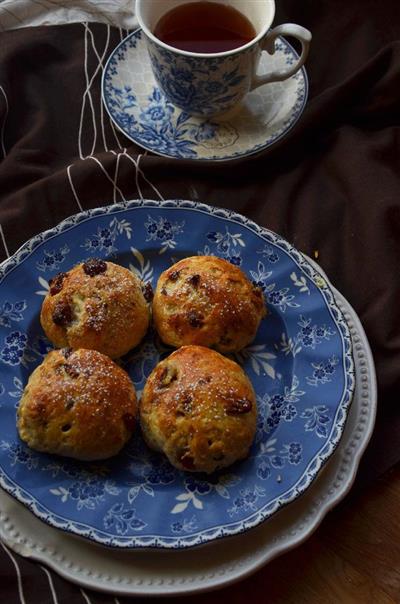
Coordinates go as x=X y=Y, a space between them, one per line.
x=28 y=13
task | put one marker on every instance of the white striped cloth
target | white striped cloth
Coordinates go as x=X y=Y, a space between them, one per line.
x=26 y=13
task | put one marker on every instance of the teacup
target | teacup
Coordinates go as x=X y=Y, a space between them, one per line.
x=209 y=84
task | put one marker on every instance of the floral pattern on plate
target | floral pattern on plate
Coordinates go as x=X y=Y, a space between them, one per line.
x=300 y=365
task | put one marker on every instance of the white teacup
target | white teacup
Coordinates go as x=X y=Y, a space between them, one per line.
x=208 y=84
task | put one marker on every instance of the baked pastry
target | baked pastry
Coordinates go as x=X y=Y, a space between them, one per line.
x=208 y=301
x=97 y=305
x=79 y=404
x=199 y=408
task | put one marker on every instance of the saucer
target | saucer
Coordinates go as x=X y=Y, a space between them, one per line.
x=140 y=110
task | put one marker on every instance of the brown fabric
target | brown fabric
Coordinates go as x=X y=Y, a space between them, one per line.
x=331 y=185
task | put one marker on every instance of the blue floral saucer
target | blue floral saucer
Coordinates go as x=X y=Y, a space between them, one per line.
x=300 y=365
x=140 y=110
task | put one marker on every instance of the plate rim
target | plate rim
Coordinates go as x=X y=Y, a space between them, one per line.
x=236 y=156
x=294 y=533
x=318 y=461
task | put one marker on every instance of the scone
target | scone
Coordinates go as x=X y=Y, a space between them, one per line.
x=79 y=404
x=199 y=408
x=97 y=305
x=207 y=301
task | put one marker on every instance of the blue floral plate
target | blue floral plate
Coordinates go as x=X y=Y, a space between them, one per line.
x=300 y=365
x=140 y=110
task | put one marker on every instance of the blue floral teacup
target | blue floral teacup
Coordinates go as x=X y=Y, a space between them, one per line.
x=211 y=84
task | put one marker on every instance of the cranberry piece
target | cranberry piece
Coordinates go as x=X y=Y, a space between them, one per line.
x=194 y=280
x=148 y=292
x=167 y=375
x=173 y=276
x=94 y=266
x=239 y=406
x=62 y=314
x=71 y=370
x=56 y=283
x=195 y=319
x=185 y=405
x=70 y=403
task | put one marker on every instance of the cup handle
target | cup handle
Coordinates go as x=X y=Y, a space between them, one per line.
x=268 y=44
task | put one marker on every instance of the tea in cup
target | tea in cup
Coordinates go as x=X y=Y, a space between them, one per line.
x=205 y=54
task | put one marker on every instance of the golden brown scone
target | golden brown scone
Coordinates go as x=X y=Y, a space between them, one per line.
x=207 y=301
x=79 y=404
x=97 y=305
x=199 y=408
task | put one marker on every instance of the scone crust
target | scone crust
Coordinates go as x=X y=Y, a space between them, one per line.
x=79 y=404
x=199 y=409
x=207 y=301
x=106 y=312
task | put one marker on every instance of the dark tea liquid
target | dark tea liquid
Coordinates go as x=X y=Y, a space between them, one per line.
x=204 y=27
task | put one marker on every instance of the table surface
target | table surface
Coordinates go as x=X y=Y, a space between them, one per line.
x=353 y=557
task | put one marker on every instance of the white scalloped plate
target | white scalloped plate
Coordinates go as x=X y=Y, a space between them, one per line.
x=212 y=565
